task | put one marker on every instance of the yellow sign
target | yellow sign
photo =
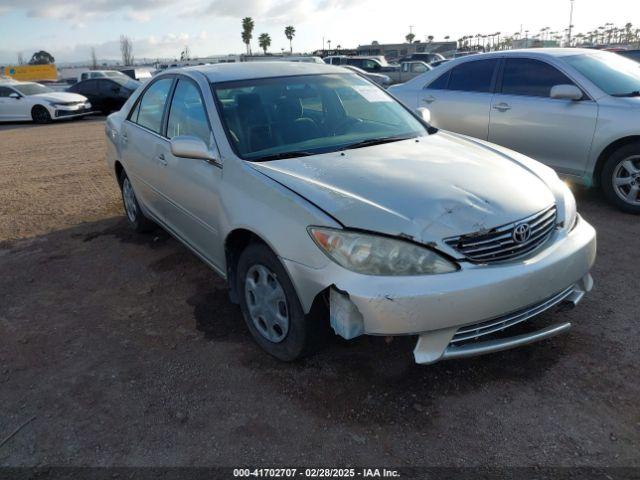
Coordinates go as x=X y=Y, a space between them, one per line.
x=32 y=72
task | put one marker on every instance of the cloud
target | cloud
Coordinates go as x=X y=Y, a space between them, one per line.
x=83 y=10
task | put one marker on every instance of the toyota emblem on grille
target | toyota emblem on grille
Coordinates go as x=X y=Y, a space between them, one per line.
x=521 y=233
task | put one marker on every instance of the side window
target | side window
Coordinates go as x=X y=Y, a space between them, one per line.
x=89 y=87
x=188 y=115
x=84 y=76
x=440 y=83
x=106 y=87
x=5 y=92
x=524 y=76
x=151 y=105
x=474 y=76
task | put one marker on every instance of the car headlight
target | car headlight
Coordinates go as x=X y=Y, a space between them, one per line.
x=377 y=255
x=570 y=208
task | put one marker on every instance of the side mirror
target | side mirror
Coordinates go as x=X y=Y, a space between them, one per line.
x=187 y=146
x=425 y=114
x=566 y=92
x=15 y=96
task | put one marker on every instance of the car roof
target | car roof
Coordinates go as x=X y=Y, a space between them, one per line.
x=9 y=81
x=228 y=72
x=542 y=52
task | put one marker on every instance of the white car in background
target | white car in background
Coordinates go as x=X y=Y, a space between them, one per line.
x=575 y=110
x=101 y=74
x=32 y=101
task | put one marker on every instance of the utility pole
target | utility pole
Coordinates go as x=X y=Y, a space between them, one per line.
x=570 y=23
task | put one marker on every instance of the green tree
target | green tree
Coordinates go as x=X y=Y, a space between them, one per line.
x=290 y=32
x=247 y=32
x=264 y=40
x=409 y=37
x=41 y=58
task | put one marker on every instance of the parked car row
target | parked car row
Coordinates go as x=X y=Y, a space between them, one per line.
x=576 y=110
x=326 y=203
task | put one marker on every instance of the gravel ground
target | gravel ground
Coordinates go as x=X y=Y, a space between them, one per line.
x=127 y=352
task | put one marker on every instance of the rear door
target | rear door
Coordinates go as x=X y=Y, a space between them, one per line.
x=144 y=146
x=525 y=118
x=460 y=99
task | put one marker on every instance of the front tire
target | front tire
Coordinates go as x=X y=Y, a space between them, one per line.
x=135 y=217
x=621 y=178
x=40 y=115
x=271 y=308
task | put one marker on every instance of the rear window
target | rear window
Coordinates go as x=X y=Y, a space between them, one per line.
x=476 y=76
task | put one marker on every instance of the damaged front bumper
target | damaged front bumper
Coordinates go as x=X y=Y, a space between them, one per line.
x=438 y=307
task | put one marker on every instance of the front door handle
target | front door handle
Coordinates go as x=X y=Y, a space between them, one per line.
x=161 y=160
x=429 y=99
x=503 y=107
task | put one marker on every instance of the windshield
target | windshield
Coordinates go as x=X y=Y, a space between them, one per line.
x=612 y=73
x=114 y=74
x=27 y=89
x=304 y=115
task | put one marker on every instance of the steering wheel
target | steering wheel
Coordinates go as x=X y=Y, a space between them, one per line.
x=345 y=125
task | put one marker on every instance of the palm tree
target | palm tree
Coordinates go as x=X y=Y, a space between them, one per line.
x=247 y=32
x=290 y=32
x=264 y=40
x=409 y=37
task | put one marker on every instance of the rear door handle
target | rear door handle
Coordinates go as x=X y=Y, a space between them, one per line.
x=429 y=99
x=503 y=107
x=161 y=160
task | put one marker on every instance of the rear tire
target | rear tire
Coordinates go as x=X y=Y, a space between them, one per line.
x=620 y=179
x=40 y=115
x=271 y=308
x=135 y=217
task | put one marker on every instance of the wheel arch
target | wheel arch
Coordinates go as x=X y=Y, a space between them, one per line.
x=607 y=152
x=118 y=169
x=234 y=244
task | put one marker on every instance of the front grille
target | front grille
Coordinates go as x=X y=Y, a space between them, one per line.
x=472 y=332
x=505 y=243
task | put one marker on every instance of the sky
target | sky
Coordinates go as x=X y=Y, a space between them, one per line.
x=161 y=28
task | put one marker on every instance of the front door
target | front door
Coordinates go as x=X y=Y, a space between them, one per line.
x=191 y=186
x=526 y=119
x=12 y=108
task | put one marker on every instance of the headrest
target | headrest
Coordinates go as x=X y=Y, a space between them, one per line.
x=289 y=108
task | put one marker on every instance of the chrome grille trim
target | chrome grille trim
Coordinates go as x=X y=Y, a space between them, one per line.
x=498 y=244
x=501 y=323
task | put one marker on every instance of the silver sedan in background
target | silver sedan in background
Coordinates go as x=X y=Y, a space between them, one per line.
x=575 y=110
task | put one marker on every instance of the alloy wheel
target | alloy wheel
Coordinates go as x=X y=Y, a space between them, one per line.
x=626 y=180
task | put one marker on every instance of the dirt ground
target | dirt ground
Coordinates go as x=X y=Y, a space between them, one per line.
x=127 y=352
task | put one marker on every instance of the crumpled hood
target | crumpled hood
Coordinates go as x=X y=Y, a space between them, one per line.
x=439 y=186
x=61 y=97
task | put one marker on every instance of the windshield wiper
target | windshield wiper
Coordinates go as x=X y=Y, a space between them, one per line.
x=635 y=93
x=377 y=141
x=282 y=155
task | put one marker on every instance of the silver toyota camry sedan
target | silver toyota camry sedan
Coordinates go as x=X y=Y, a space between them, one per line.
x=576 y=110
x=326 y=204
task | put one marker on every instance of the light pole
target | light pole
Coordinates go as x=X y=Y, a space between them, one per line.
x=570 y=23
